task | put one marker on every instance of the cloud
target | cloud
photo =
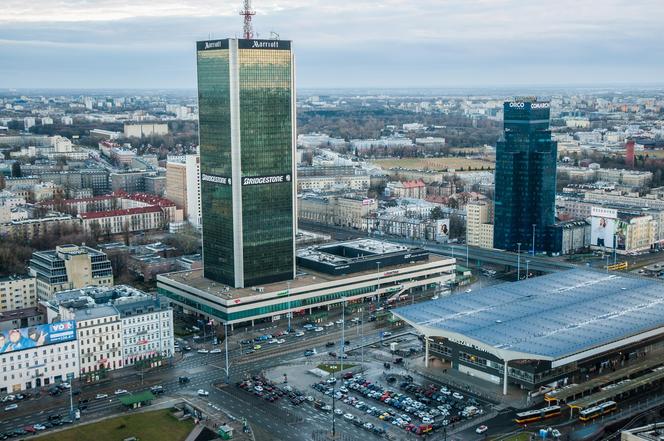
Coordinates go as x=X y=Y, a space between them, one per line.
x=394 y=43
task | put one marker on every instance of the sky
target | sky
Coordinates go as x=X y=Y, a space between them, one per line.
x=338 y=43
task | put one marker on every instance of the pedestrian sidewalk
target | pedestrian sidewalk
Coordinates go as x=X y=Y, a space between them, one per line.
x=515 y=397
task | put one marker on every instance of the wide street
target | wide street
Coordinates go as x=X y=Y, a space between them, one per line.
x=204 y=371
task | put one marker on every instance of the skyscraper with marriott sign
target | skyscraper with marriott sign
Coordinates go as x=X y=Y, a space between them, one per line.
x=525 y=177
x=246 y=98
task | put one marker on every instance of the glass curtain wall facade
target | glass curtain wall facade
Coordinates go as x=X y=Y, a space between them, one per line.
x=525 y=177
x=247 y=128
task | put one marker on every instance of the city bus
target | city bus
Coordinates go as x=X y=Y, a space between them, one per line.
x=537 y=414
x=601 y=409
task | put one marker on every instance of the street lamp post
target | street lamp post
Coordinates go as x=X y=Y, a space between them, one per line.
x=289 y=306
x=226 y=350
x=527 y=262
x=378 y=282
x=534 y=225
x=362 y=332
x=518 y=261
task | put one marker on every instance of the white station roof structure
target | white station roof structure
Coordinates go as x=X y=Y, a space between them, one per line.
x=561 y=317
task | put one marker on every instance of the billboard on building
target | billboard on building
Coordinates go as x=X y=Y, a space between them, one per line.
x=442 y=230
x=603 y=226
x=621 y=234
x=36 y=336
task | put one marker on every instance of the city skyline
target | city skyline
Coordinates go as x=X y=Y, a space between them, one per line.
x=431 y=44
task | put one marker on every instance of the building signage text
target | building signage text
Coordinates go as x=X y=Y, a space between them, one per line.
x=258 y=180
x=216 y=179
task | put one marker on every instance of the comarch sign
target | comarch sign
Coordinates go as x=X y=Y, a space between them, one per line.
x=259 y=180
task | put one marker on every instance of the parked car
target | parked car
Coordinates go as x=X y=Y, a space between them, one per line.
x=183 y=380
x=203 y=393
x=101 y=396
x=203 y=351
x=11 y=407
x=215 y=351
x=481 y=429
x=121 y=392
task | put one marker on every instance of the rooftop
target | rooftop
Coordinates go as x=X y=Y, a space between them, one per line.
x=548 y=317
x=194 y=279
x=651 y=432
x=126 y=212
x=18 y=314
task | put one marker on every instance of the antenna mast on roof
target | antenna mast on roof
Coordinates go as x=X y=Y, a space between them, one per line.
x=247 y=13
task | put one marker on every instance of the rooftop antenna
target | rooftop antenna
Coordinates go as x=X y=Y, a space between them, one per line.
x=247 y=13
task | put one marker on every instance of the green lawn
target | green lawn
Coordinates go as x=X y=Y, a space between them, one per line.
x=148 y=426
x=333 y=368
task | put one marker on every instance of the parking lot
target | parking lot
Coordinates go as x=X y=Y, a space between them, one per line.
x=377 y=397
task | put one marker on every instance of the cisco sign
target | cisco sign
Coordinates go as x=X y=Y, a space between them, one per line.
x=216 y=179
x=521 y=105
x=259 y=180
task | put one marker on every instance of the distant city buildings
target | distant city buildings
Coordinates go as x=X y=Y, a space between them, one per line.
x=145 y=130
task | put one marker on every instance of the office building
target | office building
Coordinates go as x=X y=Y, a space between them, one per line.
x=246 y=98
x=17 y=292
x=183 y=185
x=525 y=177
x=69 y=267
x=479 y=224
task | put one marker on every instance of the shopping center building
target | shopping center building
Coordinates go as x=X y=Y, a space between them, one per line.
x=327 y=275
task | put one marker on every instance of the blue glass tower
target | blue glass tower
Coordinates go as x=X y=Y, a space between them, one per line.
x=525 y=177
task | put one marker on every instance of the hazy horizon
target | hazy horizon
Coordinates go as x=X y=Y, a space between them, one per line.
x=149 y=44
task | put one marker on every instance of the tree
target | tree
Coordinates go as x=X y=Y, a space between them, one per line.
x=436 y=213
x=457 y=227
x=125 y=232
x=16 y=170
x=95 y=230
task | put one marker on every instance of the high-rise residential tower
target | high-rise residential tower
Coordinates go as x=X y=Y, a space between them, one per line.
x=246 y=98
x=525 y=177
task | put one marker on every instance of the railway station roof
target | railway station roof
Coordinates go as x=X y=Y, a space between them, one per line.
x=562 y=317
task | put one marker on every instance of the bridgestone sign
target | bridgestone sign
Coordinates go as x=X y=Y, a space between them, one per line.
x=216 y=179
x=258 y=180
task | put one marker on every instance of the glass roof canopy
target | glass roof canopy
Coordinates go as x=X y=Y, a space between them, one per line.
x=562 y=317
